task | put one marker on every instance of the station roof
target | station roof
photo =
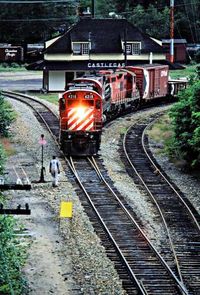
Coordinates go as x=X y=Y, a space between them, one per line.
x=106 y=36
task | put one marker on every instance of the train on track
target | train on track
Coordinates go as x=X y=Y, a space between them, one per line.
x=91 y=100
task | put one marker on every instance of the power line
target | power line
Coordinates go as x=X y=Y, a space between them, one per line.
x=36 y=2
x=35 y=19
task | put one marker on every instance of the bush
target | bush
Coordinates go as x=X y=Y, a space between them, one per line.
x=2 y=159
x=197 y=56
x=186 y=124
x=12 y=258
x=6 y=116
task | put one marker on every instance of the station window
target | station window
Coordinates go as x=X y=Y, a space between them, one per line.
x=133 y=48
x=81 y=48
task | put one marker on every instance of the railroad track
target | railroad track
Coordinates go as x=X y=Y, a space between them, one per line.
x=140 y=266
x=178 y=215
x=42 y=112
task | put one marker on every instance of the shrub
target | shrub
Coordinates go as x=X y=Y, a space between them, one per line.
x=197 y=56
x=12 y=258
x=6 y=116
x=2 y=159
x=186 y=124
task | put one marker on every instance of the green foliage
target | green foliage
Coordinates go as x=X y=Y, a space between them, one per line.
x=6 y=116
x=197 y=56
x=12 y=258
x=188 y=71
x=2 y=159
x=29 y=23
x=151 y=21
x=186 y=123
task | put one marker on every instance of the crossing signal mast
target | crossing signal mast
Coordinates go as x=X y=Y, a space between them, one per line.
x=172 y=31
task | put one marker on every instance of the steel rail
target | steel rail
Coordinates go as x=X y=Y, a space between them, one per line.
x=13 y=95
x=21 y=97
x=180 y=283
x=156 y=203
x=162 y=175
x=72 y=166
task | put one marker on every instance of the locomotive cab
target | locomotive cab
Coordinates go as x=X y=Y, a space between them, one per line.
x=80 y=118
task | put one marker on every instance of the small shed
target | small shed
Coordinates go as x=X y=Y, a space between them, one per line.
x=180 y=49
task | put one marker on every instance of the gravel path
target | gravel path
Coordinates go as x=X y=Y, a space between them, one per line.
x=65 y=257
x=68 y=258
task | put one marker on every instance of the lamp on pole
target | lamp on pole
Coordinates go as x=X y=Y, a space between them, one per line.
x=171 y=31
x=42 y=142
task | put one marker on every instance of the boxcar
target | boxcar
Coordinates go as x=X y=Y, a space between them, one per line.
x=151 y=80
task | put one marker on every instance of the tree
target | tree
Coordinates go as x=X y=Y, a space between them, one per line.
x=186 y=124
x=151 y=21
x=31 y=23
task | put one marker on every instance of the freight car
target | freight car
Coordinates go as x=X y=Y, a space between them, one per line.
x=90 y=100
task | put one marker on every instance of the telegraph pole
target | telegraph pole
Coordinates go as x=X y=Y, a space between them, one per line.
x=172 y=31
x=93 y=8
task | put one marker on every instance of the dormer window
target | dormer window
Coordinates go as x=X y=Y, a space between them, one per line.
x=80 y=48
x=133 y=48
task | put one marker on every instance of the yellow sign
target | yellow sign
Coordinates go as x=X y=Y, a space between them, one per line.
x=66 y=209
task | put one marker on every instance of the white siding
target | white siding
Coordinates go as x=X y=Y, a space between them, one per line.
x=56 y=80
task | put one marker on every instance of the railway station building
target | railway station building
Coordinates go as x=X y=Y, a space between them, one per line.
x=95 y=44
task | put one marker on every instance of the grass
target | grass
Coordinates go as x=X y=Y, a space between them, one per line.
x=51 y=97
x=187 y=72
x=161 y=133
x=13 y=67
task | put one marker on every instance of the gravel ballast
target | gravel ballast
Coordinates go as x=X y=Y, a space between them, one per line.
x=80 y=262
x=75 y=252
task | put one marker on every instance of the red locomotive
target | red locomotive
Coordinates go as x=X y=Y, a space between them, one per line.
x=92 y=99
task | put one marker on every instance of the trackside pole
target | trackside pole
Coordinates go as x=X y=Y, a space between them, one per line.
x=42 y=142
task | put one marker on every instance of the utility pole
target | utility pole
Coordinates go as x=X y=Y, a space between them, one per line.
x=93 y=8
x=172 y=31
x=125 y=46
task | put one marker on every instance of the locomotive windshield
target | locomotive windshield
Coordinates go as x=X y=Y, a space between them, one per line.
x=81 y=85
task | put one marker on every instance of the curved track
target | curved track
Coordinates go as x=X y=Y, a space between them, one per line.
x=180 y=218
x=140 y=266
x=42 y=112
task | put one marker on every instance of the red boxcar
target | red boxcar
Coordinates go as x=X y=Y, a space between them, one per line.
x=151 y=80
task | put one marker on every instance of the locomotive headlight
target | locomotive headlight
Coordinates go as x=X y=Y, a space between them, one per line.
x=80 y=111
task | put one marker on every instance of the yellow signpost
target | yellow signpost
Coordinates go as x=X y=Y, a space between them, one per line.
x=66 y=209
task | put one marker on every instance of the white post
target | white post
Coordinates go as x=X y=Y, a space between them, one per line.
x=172 y=31
x=151 y=57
